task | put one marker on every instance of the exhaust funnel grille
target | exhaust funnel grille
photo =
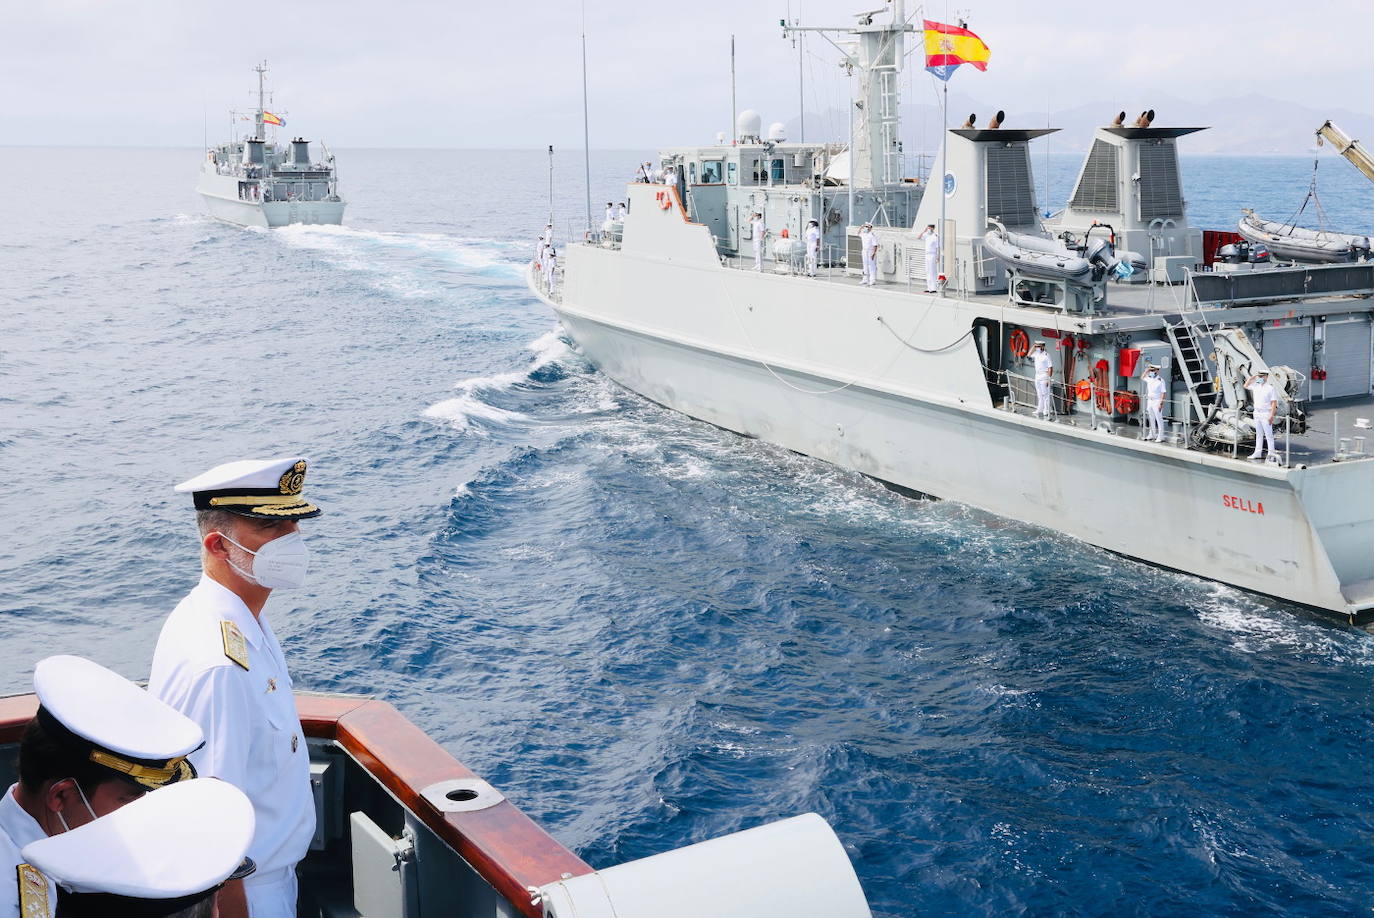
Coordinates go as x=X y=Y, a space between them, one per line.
x=1160 y=196
x=1011 y=198
x=1097 y=185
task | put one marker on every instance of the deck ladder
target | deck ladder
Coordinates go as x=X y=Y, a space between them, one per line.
x=1187 y=337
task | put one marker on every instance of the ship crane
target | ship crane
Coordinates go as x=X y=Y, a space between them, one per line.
x=1348 y=147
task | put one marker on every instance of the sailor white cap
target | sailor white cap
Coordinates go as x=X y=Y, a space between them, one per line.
x=174 y=847
x=1152 y=366
x=117 y=725
x=1261 y=372
x=261 y=488
x=1038 y=344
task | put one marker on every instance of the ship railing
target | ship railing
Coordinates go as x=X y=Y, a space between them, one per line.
x=793 y=264
x=541 y=282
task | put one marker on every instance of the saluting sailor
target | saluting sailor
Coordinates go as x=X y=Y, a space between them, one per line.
x=932 y=239
x=1154 y=404
x=163 y=855
x=97 y=743
x=813 y=246
x=868 y=246
x=1266 y=409
x=218 y=661
x=1044 y=374
x=550 y=268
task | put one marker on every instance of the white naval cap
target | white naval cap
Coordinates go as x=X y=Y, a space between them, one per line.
x=262 y=488
x=103 y=716
x=172 y=846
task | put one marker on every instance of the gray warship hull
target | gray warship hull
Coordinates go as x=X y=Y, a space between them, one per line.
x=806 y=364
x=221 y=196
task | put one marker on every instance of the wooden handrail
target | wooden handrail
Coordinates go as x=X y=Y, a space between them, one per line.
x=501 y=843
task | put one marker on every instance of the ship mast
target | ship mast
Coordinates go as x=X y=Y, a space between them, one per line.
x=259 y=130
x=875 y=157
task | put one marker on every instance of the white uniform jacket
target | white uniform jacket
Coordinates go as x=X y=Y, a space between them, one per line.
x=1044 y=366
x=1154 y=391
x=253 y=735
x=17 y=829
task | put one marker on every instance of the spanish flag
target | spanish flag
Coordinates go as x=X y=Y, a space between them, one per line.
x=949 y=46
x=269 y=118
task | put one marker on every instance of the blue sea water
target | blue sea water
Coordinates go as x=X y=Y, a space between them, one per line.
x=646 y=630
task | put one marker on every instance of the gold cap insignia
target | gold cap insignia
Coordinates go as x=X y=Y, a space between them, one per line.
x=293 y=479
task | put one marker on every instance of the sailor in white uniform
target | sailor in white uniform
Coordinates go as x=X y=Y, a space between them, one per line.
x=1044 y=374
x=760 y=231
x=932 y=239
x=550 y=268
x=97 y=743
x=620 y=212
x=868 y=246
x=163 y=855
x=1266 y=408
x=610 y=218
x=543 y=242
x=218 y=662
x=1154 y=404
x=813 y=246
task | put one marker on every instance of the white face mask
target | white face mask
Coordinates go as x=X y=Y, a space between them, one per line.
x=62 y=819
x=281 y=564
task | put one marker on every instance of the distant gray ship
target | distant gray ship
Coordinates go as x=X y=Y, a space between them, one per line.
x=255 y=182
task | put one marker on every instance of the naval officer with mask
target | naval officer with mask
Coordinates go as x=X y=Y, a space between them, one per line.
x=98 y=742
x=218 y=662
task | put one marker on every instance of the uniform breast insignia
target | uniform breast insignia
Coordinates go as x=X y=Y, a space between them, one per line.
x=295 y=742
x=33 y=892
x=235 y=647
x=271 y=685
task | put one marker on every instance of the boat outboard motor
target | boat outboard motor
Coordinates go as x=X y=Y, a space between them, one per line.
x=793 y=868
x=1234 y=253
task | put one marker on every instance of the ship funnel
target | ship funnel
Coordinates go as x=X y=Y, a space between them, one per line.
x=996 y=121
x=300 y=151
x=749 y=126
x=1119 y=120
x=1145 y=119
x=253 y=152
x=969 y=124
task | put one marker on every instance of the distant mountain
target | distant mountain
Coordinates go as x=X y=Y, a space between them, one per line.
x=1251 y=124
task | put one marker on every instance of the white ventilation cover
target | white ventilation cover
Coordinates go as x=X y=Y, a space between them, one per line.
x=793 y=868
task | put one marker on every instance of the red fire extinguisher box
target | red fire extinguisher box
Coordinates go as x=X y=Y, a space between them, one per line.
x=1126 y=360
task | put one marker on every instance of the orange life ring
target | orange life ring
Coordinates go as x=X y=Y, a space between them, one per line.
x=1126 y=402
x=1084 y=389
x=664 y=201
x=1020 y=342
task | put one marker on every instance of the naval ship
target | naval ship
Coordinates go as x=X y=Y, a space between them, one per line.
x=934 y=393
x=257 y=182
x=404 y=830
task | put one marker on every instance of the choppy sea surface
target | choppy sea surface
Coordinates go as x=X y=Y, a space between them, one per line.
x=646 y=630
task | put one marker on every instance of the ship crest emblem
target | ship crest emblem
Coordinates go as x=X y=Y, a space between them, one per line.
x=293 y=479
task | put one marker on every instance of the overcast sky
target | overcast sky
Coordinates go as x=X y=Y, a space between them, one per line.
x=481 y=73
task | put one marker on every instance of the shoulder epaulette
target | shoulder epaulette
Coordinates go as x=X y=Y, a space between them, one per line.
x=33 y=892
x=235 y=647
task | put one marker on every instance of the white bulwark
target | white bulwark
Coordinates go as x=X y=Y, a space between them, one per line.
x=254 y=181
x=933 y=392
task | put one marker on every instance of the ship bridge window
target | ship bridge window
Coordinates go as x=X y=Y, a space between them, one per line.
x=779 y=171
x=731 y=172
x=710 y=172
x=759 y=175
